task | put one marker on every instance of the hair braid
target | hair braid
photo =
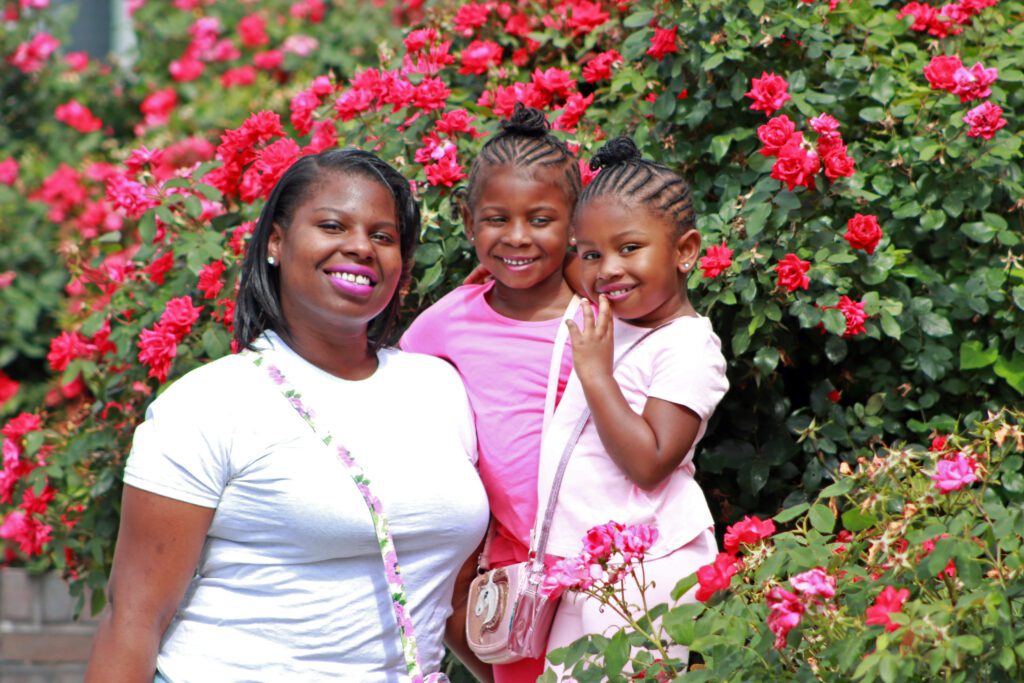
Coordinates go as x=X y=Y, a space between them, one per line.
x=626 y=174
x=525 y=140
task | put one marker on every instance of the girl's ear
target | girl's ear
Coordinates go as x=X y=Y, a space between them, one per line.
x=274 y=242
x=467 y=221
x=687 y=251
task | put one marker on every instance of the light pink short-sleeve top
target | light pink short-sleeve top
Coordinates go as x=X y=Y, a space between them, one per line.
x=681 y=363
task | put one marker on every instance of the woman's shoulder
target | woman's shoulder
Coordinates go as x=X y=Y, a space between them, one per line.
x=213 y=383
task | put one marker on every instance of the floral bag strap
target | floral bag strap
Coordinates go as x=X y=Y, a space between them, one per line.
x=392 y=572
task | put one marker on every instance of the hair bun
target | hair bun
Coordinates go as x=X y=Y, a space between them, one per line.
x=620 y=150
x=526 y=121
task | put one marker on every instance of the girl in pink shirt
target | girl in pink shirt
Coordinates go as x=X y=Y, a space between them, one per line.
x=500 y=336
x=636 y=239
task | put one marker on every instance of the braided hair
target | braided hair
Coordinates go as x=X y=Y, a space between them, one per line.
x=625 y=173
x=524 y=141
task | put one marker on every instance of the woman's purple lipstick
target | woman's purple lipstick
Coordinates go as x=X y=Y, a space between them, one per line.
x=352 y=279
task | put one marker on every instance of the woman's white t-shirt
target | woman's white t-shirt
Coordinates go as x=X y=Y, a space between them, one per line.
x=290 y=585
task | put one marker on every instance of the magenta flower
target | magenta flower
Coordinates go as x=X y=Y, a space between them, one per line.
x=814 y=583
x=952 y=474
x=985 y=120
x=784 y=613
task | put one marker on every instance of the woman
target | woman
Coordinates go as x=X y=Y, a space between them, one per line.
x=246 y=551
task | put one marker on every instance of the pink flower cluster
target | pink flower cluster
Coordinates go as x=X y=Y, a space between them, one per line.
x=954 y=471
x=947 y=72
x=797 y=162
x=946 y=20
x=746 y=533
x=158 y=346
x=717 y=259
x=854 y=313
x=887 y=602
x=78 y=116
x=813 y=588
x=610 y=553
x=23 y=526
x=30 y=56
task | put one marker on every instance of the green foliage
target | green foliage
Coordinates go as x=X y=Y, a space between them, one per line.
x=957 y=556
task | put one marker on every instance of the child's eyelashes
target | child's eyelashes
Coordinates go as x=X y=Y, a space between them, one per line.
x=331 y=225
x=628 y=248
x=590 y=256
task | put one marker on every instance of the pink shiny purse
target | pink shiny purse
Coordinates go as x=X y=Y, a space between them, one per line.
x=507 y=618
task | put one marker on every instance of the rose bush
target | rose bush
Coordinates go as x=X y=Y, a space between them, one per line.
x=798 y=123
x=907 y=567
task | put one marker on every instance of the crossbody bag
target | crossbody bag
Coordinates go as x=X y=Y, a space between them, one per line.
x=392 y=571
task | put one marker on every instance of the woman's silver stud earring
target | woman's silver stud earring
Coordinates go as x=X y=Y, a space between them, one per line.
x=271 y=260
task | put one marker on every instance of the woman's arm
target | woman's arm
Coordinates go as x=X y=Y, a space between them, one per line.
x=648 y=447
x=158 y=547
x=455 y=629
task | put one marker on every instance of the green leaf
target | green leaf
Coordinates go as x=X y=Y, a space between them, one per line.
x=756 y=7
x=973 y=355
x=720 y=145
x=1012 y=370
x=756 y=218
x=890 y=325
x=934 y=325
x=791 y=513
x=1018 y=296
x=822 y=518
x=872 y=114
x=638 y=19
x=679 y=622
x=979 y=232
x=854 y=520
x=834 y=320
x=616 y=654
x=933 y=219
x=683 y=586
x=841 y=487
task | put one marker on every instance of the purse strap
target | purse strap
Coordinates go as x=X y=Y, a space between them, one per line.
x=555 y=369
x=539 y=553
x=392 y=572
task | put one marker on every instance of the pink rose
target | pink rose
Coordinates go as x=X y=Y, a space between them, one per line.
x=954 y=473
x=768 y=92
x=572 y=573
x=792 y=272
x=636 y=539
x=814 y=583
x=985 y=120
x=824 y=124
x=973 y=84
x=157 y=349
x=939 y=71
x=600 y=67
x=717 y=259
x=888 y=601
x=664 y=42
x=9 y=170
x=863 y=232
x=747 y=531
x=784 y=613
x=838 y=164
x=795 y=165
x=479 y=56
x=78 y=116
x=179 y=316
x=716 y=576
x=853 y=311
x=775 y=134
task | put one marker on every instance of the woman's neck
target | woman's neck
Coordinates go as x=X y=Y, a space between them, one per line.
x=544 y=301
x=344 y=355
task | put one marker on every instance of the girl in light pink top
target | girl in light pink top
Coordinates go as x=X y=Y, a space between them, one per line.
x=500 y=336
x=633 y=463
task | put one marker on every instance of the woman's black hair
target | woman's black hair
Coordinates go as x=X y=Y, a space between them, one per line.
x=625 y=173
x=524 y=140
x=258 y=305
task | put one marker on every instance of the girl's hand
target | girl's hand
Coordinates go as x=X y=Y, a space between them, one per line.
x=478 y=276
x=592 y=347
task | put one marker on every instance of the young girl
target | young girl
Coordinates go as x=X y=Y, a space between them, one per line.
x=500 y=336
x=633 y=463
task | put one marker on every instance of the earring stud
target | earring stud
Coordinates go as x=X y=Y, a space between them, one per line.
x=271 y=260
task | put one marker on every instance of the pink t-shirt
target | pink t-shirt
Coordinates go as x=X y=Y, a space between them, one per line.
x=681 y=363
x=504 y=364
